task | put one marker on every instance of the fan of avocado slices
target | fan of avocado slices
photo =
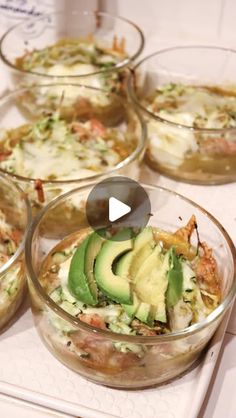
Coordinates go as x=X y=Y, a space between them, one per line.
x=133 y=283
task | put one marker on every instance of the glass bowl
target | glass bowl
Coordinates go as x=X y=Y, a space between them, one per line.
x=188 y=96
x=74 y=104
x=97 y=354
x=15 y=217
x=42 y=31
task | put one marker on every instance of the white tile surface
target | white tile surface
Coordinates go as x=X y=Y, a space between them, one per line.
x=221 y=401
x=202 y=21
x=12 y=408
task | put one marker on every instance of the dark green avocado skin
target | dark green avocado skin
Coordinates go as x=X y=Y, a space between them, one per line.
x=175 y=280
x=78 y=283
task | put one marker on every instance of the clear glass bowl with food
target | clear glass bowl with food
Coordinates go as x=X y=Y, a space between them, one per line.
x=15 y=216
x=92 y=48
x=125 y=307
x=57 y=137
x=188 y=95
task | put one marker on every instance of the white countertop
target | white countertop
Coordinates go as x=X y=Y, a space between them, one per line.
x=219 y=401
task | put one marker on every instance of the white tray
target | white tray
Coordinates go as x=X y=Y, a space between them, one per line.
x=29 y=372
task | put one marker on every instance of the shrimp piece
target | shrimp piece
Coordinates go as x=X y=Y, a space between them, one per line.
x=93 y=319
x=185 y=233
x=206 y=272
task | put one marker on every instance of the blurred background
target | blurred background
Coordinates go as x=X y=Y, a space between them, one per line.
x=203 y=21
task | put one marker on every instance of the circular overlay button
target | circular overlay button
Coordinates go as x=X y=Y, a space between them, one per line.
x=116 y=203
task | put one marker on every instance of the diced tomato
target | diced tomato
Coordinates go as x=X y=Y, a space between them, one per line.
x=97 y=127
x=4 y=155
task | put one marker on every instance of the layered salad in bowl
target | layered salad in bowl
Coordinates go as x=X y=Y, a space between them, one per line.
x=14 y=222
x=91 y=48
x=50 y=144
x=190 y=110
x=130 y=307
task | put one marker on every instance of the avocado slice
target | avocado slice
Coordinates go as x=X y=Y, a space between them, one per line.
x=122 y=269
x=151 y=282
x=114 y=286
x=94 y=245
x=126 y=266
x=81 y=281
x=123 y=265
x=143 y=246
x=175 y=279
x=129 y=264
x=132 y=309
x=146 y=313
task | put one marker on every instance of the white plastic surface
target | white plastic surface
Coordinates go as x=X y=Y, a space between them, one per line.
x=29 y=372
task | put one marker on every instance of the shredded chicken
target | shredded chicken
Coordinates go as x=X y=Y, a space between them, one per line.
x=145 y=330
x=206 y=271
x=186 y=232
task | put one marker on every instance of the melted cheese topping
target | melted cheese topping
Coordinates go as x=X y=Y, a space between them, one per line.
x=69 y=74
x=59 y=153
x=191 y=106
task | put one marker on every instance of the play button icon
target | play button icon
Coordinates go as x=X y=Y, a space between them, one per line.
x=116 y=203
x=117 y=209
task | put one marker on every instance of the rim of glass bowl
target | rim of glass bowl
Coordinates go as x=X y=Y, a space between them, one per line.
x=124 y=163
x=22 y=196
x=137 y=101
x=118 y=66
x=109 y=334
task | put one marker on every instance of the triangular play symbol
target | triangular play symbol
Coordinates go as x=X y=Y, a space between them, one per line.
x=117 y=209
